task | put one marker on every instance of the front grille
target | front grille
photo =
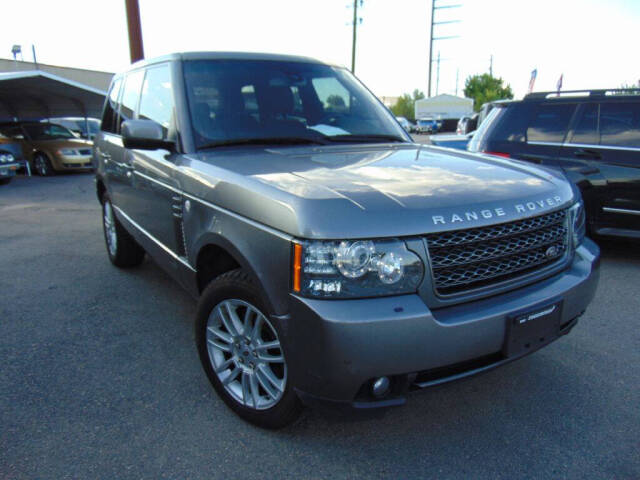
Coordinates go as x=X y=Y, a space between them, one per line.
x=467 y=259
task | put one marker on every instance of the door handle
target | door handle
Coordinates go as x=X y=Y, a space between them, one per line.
x=588 y=170
x=586 y=153
x=105 y=156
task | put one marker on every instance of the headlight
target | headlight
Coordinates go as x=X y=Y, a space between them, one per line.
x=6 y=158
x=69 y=152
x=352 y=269
x=578 y=222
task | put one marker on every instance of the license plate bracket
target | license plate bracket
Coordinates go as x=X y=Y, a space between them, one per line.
x=531 y=329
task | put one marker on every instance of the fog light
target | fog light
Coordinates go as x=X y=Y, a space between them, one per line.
x=380 y=387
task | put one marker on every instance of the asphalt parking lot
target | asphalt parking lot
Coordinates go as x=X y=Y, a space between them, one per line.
x=100 y=378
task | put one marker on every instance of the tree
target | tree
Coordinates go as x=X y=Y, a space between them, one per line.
x=336 y=103
x=405 y=106
x=485 y=88
x=626 y=86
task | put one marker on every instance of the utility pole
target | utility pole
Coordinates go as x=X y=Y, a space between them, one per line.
x=136 y=50
x=433 y=11
x=491 y=66
x=438 y=75
x=457 y=75
x=431 y=37
x=355 y=30
x=35 y=60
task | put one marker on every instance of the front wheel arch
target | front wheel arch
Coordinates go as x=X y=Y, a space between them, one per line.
x=217 y=243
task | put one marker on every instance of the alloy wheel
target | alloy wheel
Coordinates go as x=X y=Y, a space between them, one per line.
x=245 y=354
x=110 y=229
x=41 y=166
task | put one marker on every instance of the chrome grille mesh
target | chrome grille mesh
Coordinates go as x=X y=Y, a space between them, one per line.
x=466 y=259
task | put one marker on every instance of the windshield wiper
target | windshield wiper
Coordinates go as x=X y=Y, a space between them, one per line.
x=365 y=138
x=263 y=141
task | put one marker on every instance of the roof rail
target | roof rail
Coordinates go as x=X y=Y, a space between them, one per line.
x=582 y=93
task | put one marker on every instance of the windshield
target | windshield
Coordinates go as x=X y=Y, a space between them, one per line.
x=47 y=131
x=249 y=100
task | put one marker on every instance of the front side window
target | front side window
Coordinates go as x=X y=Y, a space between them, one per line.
x=550 y=123
x=130 y=96
x=620 y=124
x=47 y=131
x=586 y=129
x=255 y=99
x=111 y=108
x=156 y=101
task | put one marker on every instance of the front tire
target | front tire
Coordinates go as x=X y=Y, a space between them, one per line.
x=42 y=165
x=123 y=250
x=240 y=350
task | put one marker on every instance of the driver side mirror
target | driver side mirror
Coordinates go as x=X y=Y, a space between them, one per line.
x=145 y=135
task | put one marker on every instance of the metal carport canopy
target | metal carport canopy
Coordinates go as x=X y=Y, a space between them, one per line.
x=34 y=95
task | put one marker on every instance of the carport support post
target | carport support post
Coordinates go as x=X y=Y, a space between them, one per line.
x=135 y=30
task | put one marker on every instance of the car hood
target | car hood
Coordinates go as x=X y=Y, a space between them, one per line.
x=372 y=190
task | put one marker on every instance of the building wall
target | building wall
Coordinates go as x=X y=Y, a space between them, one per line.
x=92 y=78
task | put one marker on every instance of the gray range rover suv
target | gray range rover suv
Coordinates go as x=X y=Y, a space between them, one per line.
x=335 y=261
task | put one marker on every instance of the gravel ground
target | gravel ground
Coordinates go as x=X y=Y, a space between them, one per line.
x=100 y=379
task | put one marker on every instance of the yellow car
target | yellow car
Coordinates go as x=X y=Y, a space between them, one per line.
x=49 y=147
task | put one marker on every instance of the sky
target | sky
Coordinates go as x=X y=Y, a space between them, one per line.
x=592 y=43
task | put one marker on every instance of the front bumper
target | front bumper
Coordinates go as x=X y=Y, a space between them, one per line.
x=336 y=347
x=76 y=162
x=8 y=169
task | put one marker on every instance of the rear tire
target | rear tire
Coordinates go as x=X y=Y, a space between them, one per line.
x=123 y=250
x=250 y=363
x=42 y=165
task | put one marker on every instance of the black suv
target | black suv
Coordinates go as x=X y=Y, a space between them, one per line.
x=594 y=136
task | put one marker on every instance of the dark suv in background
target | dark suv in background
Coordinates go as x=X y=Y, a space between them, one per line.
x=594 y=136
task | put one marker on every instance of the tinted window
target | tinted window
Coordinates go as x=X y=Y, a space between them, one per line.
x=586 y=128
x=47 y=131
x=620 y=124
x=239 y=100
x=550 y=123
x=111 y=107
x=510 y=123
x=156 y=101
x=130 y=96
x=13 y=132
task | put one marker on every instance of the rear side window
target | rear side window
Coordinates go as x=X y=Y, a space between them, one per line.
x=111 y=108
x=130 y=96
x=156 y=101
x=550 y=122
x=510 y=126
x=586 y=127
x=620 y=124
